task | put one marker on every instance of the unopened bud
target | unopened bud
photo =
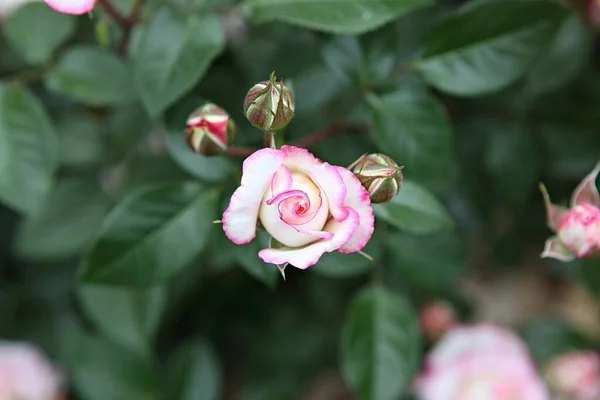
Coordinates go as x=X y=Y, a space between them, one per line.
x=269 y=105
x=436 y=319
x=380 y=175
x=209 y=130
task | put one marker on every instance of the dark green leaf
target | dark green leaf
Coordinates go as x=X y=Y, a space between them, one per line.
x=247 y=256
x=173 y=53
x=488 y=45
x=349 y=16
x=36 y=31
x=127 y=317
x=93 y=76
x=151 y=235
x=80 y=140
x=28 y=150
x=415 y=210
x=194 y=373
x=548 y=337
x=67 y=222
x=429 y=261
x=412 y=127
x=380 y=345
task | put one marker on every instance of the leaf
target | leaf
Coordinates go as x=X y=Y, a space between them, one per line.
x=380 y=345
x=36 y=31
x=127 y=317
x=547 y=337
x=412 y=127
x=488 y=45
x=568 y=54
x=67 y=221
x=428 y=261
x=28 y=150
x=80 y=140
x=334 y=16
x=101 y=370
x=193 y=373
x=92 y=75
x=247 y=257
x=173 y=54
x=151 y=235
x=415 y=210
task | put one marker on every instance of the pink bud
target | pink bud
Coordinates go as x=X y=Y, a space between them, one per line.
x=579 y=230
x=436 y=319
x=209 y=130
x=576 y=375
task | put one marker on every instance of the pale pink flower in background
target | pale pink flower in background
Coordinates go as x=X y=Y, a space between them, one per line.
x=25 y=374
x=577 y=227
x=576 y=375
x=594 y=11
x=309 y=207
x=75 y=7
x=479 y=362
x=436 y=319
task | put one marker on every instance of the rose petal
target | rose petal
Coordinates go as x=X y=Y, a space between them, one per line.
x=306 y=256
x=239 y=220
x=587 y=192
x=282 y=181
x=554 y=213
x=555 y=249
x=323 y=174
x=75 y=7
x=357 y=198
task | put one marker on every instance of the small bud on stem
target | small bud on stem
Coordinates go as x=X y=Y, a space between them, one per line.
x=269 y=105
x=209 y=130
x=380 y=175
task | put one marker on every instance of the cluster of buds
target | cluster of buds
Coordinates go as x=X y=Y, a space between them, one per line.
x=269 y=105
x=380 y=175
x=209 y=130
x=578 y=227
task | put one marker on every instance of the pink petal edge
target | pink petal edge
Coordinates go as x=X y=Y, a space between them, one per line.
x=586 y=191
x=73 y=7
x=239 y=219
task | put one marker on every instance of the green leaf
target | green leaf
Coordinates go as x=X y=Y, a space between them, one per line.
x=488 y=45
x=193 y=373
x=415 y=210
x=101 y=370
x=173 y=54
x=127 y=317
x=151 y=235
x=247 y=257
x=80 y=140
x=36 y=31
x=428 y=261
x=412 y=127
x=547 y=337
x=380 y=345
x=567 y=56
x=28 y=150
x=93 y=76
x=335 y=16
x=67 y=221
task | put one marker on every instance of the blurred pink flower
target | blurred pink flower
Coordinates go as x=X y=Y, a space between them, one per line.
x=476 y=362
x=25 y=374
x=576 y=375
x=594 y=11
x=577 y=227
x=75 y=7
x=436 y=319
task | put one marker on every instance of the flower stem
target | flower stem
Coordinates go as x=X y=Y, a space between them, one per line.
x=125 y=22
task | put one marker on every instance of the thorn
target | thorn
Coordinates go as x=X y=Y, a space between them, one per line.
x=282 y=269
x=365 y=255
x=217 y=221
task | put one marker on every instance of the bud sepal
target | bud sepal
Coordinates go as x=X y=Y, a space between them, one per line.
x=380 y=175
x=269 y=105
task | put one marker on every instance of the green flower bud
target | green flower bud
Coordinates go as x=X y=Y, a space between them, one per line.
x=380 y=175
x=209 y=130
x=269 y=105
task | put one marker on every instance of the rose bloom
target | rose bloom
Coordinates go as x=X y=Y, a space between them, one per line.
x=576 y=375
x=309 y=207
x=479 y=362
x=75 y=7
x=25 y=374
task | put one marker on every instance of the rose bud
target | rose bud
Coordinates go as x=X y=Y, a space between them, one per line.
x=476 y=362
x=575 y=375
x=308 y=206
x=577 y=227
x=380 y=175
x=209 y=130
x=269 y=105
x=436 y=319
x=25 y=374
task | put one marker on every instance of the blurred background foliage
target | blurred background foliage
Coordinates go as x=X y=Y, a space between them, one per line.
x=109 y=259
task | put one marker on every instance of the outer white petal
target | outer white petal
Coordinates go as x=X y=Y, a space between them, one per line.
x=358 y=199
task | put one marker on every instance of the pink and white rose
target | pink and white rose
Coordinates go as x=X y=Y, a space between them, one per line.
x=308 y=206
x=25 y=374
x=577 y=227
x=74 y=7
x=575 y=375
x=476 y=362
